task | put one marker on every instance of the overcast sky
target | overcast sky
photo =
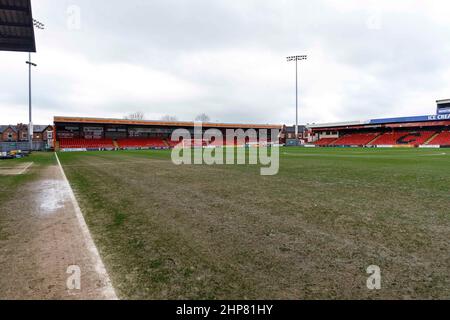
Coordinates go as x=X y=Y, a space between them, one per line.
x=227 y=58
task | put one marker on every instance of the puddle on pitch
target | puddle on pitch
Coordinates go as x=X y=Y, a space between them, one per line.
x=52 y=196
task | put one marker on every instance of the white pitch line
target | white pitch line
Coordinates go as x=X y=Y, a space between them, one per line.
x=117 y=163
x=433 y=154
x=26 y=168
x=15 y=173
x=108 y=291
x=366 y=155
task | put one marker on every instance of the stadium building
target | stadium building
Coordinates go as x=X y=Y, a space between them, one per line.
x=418 y=131
x=73 y=133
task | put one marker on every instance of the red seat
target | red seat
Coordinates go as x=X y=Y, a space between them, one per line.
x=443 y=139
x=360 y=139
x=324 y=141
x=142 y=143
x=86 y=143
x=404 y=138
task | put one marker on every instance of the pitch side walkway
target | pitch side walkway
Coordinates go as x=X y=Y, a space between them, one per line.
x=41 y=237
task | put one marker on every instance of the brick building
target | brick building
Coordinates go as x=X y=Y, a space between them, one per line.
x=19 y=133
x=8 y=134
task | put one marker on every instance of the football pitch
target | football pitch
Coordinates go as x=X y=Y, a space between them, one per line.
x=226 y=232
x=310 y=232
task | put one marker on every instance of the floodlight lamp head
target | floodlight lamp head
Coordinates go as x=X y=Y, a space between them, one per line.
x=297 y=58
x=38 y=24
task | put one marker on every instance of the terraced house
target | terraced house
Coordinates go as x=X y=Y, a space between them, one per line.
x=16 y=136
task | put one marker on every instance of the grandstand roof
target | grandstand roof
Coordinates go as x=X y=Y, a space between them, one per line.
x=78 y=120
x=16 y=26
x=431 y=120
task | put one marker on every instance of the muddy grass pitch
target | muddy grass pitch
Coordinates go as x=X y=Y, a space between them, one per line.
x=310 y=232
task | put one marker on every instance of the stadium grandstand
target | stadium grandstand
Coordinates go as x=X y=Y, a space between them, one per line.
x=417 y=131
x=72 y=133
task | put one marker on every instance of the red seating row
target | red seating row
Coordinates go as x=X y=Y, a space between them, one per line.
x=404 y=138
x=225 y=142
x=86 y=143
x=108 y=143
x=325 y=141
x=359 y=139
x=172 y=144
x=206 y=142
x=390 y=138
x=442 y=139
x=141 y=143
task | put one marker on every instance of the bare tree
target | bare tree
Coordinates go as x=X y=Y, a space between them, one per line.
x=203 y=118
x=169 y=118
x=139 y=115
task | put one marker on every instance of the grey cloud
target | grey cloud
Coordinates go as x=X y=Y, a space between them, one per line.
x=407 y=53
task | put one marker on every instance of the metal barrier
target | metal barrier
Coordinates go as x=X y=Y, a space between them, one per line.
x=23 y=146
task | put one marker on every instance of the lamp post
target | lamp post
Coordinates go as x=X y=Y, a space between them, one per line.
x=40 y=26
x=30 y=125
x=296 y=59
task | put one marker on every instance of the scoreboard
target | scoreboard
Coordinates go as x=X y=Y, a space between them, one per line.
x=443 y=106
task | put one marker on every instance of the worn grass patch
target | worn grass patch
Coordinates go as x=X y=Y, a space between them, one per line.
x=9 y=184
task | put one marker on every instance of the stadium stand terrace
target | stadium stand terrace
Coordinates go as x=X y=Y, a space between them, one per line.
x=356 y=139
x=74 y=133
x=442 y=138
x=417 y=131
x=69 y=143
x=142 y=142
x=415 y=138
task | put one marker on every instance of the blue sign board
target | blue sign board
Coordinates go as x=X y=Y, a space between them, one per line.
x=443 y=108
x=438 y=117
